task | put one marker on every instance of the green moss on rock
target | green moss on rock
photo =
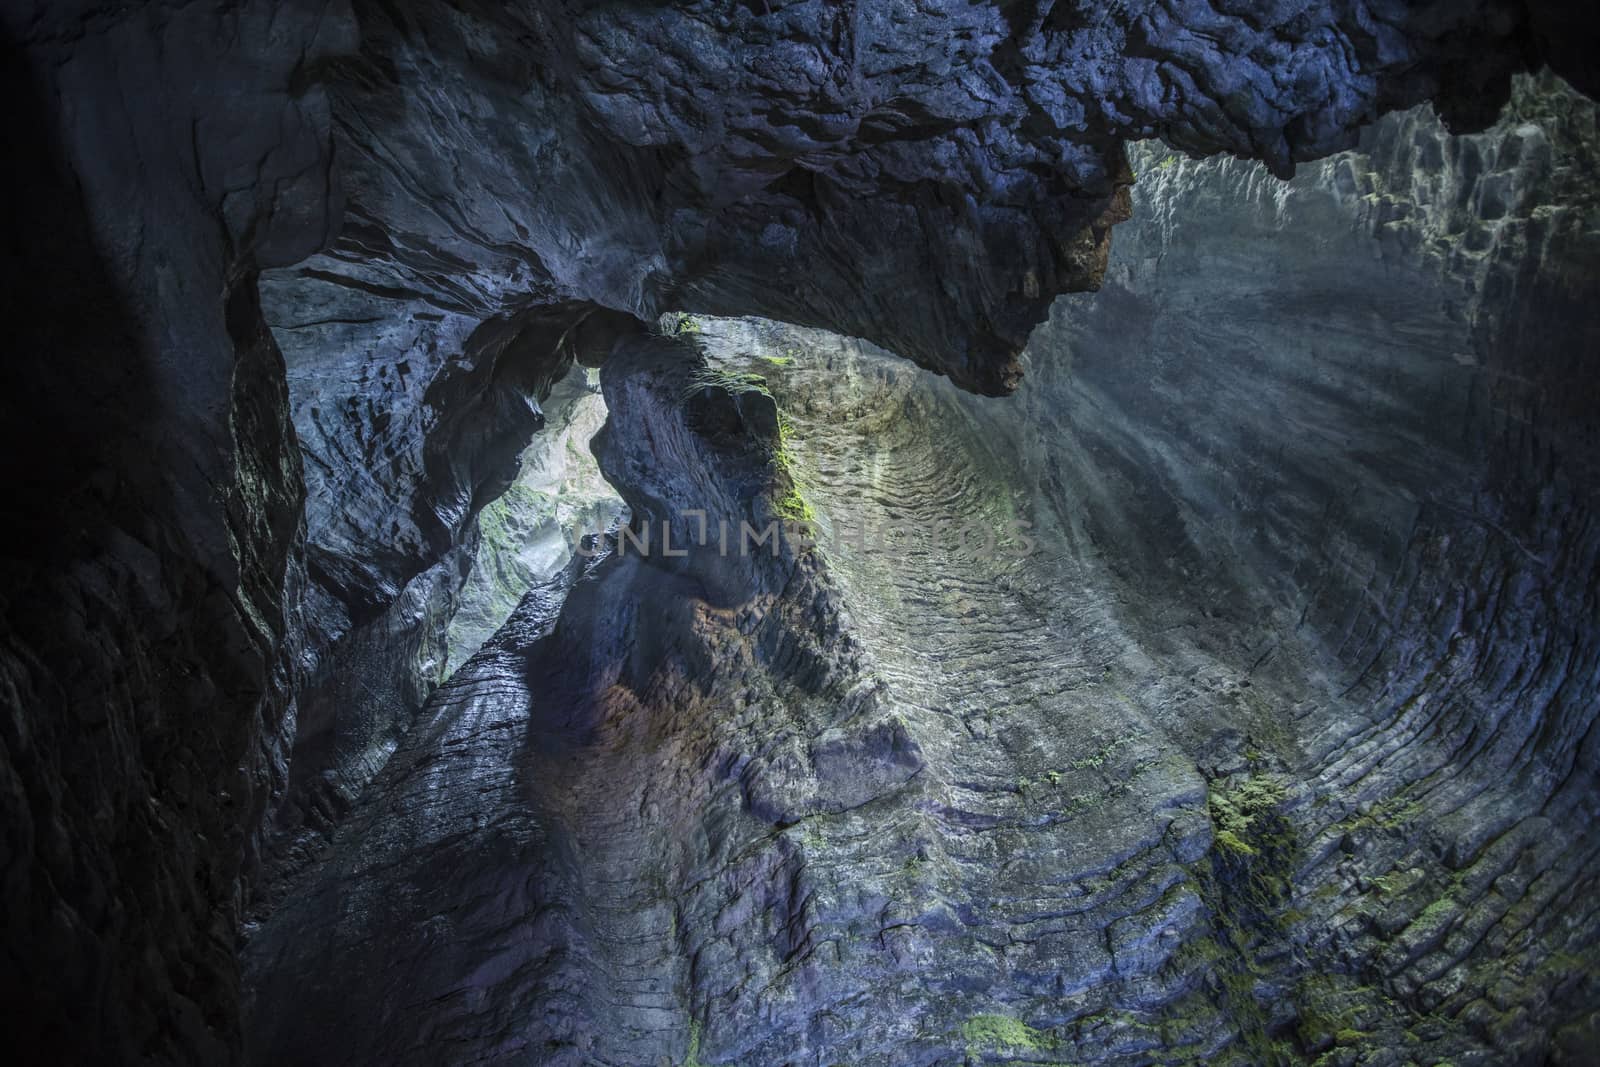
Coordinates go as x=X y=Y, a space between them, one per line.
x=1002 y=1032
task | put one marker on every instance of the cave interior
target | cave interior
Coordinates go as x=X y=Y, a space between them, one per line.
x=808 y=532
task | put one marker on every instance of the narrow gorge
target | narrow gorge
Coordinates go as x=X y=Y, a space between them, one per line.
x=802 y=533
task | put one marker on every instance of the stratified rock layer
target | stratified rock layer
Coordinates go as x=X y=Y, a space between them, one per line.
x=210 y=650
x=1223 y=695
x=1401 y=500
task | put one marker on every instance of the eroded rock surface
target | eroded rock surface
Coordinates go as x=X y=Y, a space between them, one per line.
x=1401 y=500
x=928 y=176
x=210 y=650
x=546 y=882
x=528 y=535
x=1222 y=695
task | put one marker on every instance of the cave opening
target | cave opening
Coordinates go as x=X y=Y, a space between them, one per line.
x=529 y=535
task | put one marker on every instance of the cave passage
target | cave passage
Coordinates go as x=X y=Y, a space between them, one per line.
x=1212 y=727
x=529 y=535
x=1171 y=443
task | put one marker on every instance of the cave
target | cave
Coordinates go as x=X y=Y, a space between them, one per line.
x=809 y=532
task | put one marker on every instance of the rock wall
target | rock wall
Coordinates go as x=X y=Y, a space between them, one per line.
x=541 y=912
x=154 y=507
x=521 y=181
x=1222 y=695
x=1383 y=526
x=404 y=444
x=209 y=648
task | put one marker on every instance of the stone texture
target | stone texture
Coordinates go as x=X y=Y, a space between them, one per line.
x=1241 y=743
x=549 y=723
x=209 y=651
x=403 y=448
x=508 y=169
x=1399 y=507
x=161 y=156
x=791 y=158
x=928 y=177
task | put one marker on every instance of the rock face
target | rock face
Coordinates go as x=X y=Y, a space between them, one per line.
x=292 y=280
x=519 y=180
x=154 y=496
x=1201 y=701
x=1402 y=501
x=404 y=443
x=669 y=688
x=927 y=176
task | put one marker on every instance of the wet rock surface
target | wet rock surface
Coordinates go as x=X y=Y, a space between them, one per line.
x=1112 y=723
x=291 y=281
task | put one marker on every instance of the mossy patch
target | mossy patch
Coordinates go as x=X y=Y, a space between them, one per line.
x=1249 y=826
x=792 y=504
x=1336 y=1010
x=1003 y=1033
x=505 y=525
x=1245 y=883
x=731 y=382
x=1436 y=915
x=1098 y=759
x=691 y=1058
x=1392 y=814
x=679 y=324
